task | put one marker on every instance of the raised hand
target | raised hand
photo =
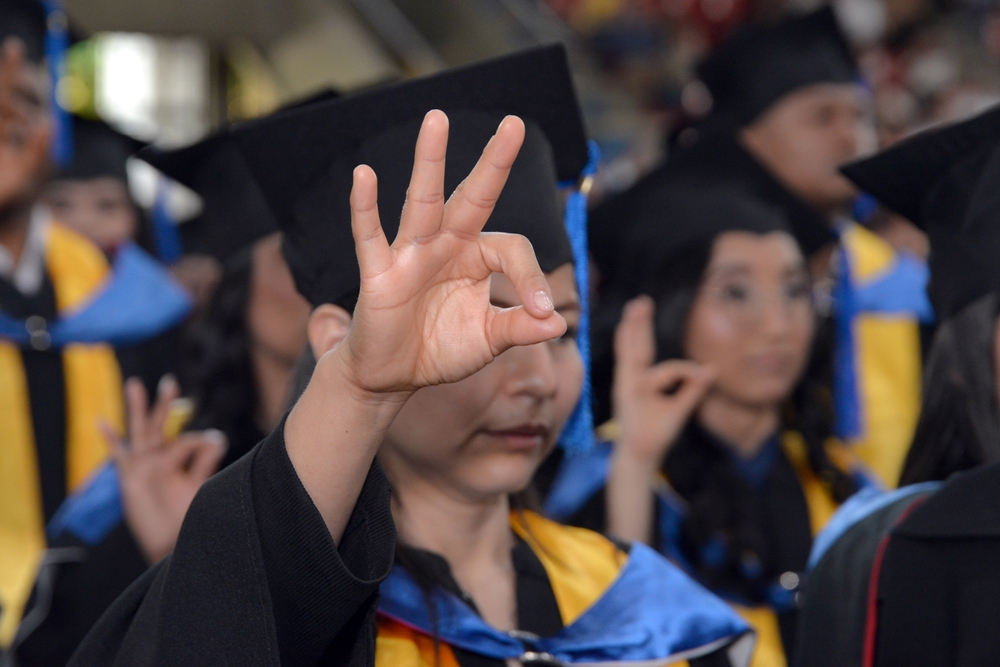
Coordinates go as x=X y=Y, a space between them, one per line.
x=652 y=403
x=424 y=315
x=25 y=130
x=160 y=478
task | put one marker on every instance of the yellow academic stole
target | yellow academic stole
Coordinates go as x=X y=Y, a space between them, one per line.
x=93 y=393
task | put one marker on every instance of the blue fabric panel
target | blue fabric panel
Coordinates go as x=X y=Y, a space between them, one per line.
x=90 y=513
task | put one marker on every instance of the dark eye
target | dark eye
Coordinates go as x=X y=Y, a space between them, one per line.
x=735 y=292
x=796 y=291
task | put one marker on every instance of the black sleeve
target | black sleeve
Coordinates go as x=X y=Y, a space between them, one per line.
x=211 y=603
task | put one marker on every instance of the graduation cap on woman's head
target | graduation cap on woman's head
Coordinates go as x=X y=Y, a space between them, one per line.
x=26 y=20
x=99 y=150
x=947 y=182
x=712 y=187
x=304 y=160
x=234 y=213
x=762 y=62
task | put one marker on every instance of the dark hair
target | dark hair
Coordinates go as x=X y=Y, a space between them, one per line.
x=959 y=426
x=721 y=502
x=217 y=371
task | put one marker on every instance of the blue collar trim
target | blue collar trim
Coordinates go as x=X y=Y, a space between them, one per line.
x=140 y=301
x=652 y=612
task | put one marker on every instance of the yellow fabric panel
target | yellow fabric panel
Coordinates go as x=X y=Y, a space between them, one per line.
x=869 y=253
x=819 y=501
x=888 y=366
x=581 y=564
x=93 y=378
x=399 y=646
x=93 y=392
x=77 y=267
x=769 y=652
x=22 y=538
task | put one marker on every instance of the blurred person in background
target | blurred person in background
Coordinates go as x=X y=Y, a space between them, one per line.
x=911 y=577
x=91 y=196
x=787 y=112
x=240 y=351
x=61 y=310
x=722 y=455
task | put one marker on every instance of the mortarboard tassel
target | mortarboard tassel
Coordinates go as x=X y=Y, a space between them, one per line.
x=56 y=45
x=578 y=435
x=166 y=237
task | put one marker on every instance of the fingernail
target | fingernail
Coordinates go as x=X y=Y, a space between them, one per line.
x=216 y=436
x=166 y=382
x=543 y=301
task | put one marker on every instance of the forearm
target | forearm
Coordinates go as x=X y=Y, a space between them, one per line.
x=332 y=436
x=629 y=496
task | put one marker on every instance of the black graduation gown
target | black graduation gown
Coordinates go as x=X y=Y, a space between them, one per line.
x=939 y=585
x=256 y=578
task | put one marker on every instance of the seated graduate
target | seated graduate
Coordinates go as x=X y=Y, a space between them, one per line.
x=129 y=516
x=239 y=352
x=282 y=554
x=787 y=111
x=722 y=456
x=911 y=577
x=62 y=309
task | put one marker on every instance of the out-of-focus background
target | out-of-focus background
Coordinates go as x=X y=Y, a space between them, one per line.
x=171 y=70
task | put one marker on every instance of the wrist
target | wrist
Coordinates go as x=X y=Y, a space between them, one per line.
x=634 y=464
x=335 y=369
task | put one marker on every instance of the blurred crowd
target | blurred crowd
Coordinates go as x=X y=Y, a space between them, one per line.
x=754 y=421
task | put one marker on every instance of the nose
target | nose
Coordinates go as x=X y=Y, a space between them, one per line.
x=775 y=317
x=531 y=371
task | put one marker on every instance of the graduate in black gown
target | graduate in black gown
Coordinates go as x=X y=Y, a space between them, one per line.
x=912 y=578
x=282 y=554
x=720 y=451
x=62 y=311
x=240 y=350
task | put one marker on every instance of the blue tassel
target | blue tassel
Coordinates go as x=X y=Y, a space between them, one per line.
x=166 y=236
x=578 y=435
x=56 y=45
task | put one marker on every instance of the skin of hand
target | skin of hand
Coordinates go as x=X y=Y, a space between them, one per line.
x=652 y=404
x=159 y=479
x=25 y=127
x=424 y=315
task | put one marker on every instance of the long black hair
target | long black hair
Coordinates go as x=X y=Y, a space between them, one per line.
x=959 y=426
x=218 y=373
x=722 y=509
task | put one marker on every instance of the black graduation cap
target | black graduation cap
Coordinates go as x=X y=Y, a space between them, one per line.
x=303 y=160
x=27 y=20
x=716 y=161
x=234 y=213
x=762 y=62
x=947 y=182
x=98 y=150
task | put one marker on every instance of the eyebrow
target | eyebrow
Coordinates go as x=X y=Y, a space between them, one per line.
x=744 y=268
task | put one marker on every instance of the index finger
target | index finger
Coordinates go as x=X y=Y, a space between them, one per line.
x=635 y=338
x=471 y=204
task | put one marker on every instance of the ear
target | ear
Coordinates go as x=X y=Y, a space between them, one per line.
x=328 y=326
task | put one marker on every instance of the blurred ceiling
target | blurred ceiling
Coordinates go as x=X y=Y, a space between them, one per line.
x=216 y=20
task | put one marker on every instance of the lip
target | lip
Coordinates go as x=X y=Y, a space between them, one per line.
x=521 y=438
x=771 y=362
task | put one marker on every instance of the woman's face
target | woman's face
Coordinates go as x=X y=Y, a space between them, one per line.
x=486 y=435
x=752 y=318
x=277 y=314
x=98 y=208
